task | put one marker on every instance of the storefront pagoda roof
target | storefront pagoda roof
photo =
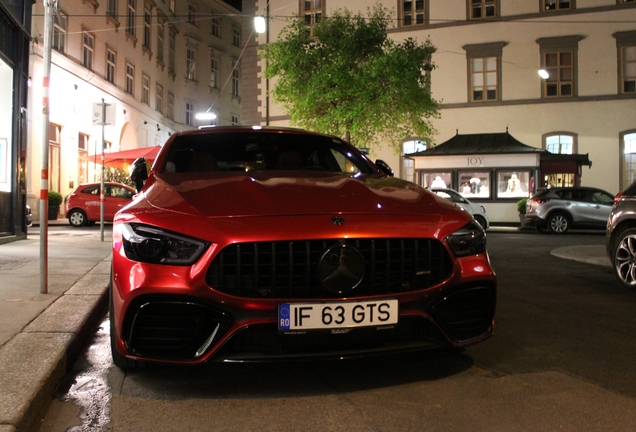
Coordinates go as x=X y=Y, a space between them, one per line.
x=484 y=143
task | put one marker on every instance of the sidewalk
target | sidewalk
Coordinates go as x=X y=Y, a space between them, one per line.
x=41 y=334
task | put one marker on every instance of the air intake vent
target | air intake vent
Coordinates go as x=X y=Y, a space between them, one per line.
x=171 y=329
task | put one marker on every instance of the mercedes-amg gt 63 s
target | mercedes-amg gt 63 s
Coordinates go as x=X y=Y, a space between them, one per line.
x=255 y=244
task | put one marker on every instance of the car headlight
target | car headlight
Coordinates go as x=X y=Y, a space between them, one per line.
x=153 y=245
x=469 y=240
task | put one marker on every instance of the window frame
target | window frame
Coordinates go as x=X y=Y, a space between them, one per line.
x=236 y=78
x=159 y=98
x=130 y=79
x=145 y=89
x=170 y=113
x=215 y=26
x=190 y=110
x=131 y=14
x=192 y=14
x=111 y=65
x=413 y=23
x=557 y=7
x=147 y=26
x=215 y=66
x=60 y=24
x=312 y=12
x=626 y=39
x=484 y=51
x=191 y=62
x=236 y=36
x=88 y=50
x=575 y=140
x=559 y=45
x=483 y=5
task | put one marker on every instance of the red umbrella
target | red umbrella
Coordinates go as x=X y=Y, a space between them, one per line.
x=127 y=157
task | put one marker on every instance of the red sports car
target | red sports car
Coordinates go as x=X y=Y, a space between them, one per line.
x=83 y=205
x=258 y=243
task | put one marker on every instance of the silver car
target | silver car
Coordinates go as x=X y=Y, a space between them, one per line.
x=558 y=209
x=478 y=211
x=621 y=237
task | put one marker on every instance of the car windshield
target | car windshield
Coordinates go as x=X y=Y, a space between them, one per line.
x=262 y=151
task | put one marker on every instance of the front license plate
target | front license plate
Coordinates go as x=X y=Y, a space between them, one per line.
x=309 y=316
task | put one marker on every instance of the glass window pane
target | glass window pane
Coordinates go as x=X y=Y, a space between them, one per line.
x=491 y=63
x=436 y=179
x=474 y=184
x=491 y=79
x=551 y=59
x=565 y=58
x=478 y=64
x=513 y=184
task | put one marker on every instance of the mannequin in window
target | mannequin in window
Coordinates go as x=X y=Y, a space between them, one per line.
x=438 y=183
x=514 y=185
x=474 y=184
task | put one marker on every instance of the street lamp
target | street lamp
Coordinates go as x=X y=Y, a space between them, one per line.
x=205 y=116
x=260 y=26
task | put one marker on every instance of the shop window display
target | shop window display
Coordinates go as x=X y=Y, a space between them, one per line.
x=436 y=180
x=514 y=184
x=474 y=184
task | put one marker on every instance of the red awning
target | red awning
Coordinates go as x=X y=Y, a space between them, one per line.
x=121 y=158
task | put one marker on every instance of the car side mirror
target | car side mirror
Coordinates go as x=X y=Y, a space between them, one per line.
x=384 y=167
x=139 y=173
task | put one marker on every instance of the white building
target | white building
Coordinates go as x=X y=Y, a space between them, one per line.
x=488 y=56
x=157 y=63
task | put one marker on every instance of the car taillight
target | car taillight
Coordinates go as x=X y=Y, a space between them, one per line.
x=618 y=197
x=541 y=200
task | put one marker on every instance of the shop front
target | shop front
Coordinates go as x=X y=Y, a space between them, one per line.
x=495 y=170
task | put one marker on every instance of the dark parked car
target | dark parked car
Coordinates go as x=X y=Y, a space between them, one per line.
x=268 y=243
x=621 y=237
x=558 y=209
x=83 y=206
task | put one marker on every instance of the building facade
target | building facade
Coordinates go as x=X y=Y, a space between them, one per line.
x=154 y=65
x=15 y=22
x=488 y=55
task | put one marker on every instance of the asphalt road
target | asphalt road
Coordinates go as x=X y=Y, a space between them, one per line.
x=561 y=359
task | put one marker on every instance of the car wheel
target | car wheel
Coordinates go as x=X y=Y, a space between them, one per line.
x=77 y=218
x=558 y=223
x=624 y=259
x=481 y=221
x=119 y=360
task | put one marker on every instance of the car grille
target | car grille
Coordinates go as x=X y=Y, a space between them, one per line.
x=289 y=269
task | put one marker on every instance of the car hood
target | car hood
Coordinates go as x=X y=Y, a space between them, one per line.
x=266 y=194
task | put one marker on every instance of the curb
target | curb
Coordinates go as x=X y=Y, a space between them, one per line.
x=594 y=255
x=36 y=359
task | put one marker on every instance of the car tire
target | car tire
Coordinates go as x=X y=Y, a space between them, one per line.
x=559 y=223
x=119 y=360
x=624 y=259
x=481 y=221
x=77 y=218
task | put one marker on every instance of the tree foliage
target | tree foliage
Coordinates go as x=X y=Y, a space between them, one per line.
x=351 y=80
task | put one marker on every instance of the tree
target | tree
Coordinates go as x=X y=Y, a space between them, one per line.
x=352 y=81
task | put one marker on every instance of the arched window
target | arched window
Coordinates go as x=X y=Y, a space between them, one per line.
x=628 y=156
x=557 y=174
x=560 y=144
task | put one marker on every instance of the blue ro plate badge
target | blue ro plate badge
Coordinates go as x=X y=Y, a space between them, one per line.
x=312 y=316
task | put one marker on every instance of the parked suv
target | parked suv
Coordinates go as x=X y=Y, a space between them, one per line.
x=621 y=237
x=558 y=209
